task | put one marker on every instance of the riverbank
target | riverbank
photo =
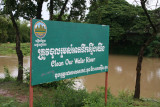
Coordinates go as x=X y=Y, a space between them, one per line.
x=10 y=48
x=13 y=94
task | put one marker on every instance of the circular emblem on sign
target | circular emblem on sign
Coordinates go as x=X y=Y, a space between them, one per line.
x=40 y=29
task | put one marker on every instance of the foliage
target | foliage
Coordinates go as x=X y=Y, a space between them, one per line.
x=55 y=84
x=118 y=14
x=24 y=31
x=11 y=102
x=6 y=30
x=26 y=75
x=10 y=48
x=20 y=8
x=153 y=50
x=96 y=98
x=7 y=33
x=75 y=12
x=44 y=101
x=68 y=97
x=3 y=30
x=13 y=9
x=124 y=99
x=7 y=74
x=129 y=26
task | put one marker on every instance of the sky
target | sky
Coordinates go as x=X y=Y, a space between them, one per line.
x=40 y=23
x=152 y=3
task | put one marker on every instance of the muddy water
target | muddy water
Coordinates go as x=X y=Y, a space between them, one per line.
x=11 y=63
x=122 y=74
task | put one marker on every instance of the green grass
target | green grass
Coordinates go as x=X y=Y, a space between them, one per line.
x=11 y=102
x=10 y=48
x=66 y=97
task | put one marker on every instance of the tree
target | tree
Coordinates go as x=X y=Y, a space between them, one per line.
x=57 y=9
x=51 y=10
x=125 y=18
x=7 y=32
x=39 y=9
x=153 y=29
x=3 y=30
x=24 y=31
x=77 y=11
x=63 y=12
x=16 y=9
x=119 y=14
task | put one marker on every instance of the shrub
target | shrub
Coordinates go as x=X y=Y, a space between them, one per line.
x=97 y=98
x=68 y=97
x=7 y=74
x=43 y=101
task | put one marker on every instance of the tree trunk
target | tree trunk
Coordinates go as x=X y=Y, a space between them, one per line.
x=139 y=65
x=62 y=11
x=138 y=76
x=39 y=8
x=51 y=10
x=18 y=50
x=141 y=53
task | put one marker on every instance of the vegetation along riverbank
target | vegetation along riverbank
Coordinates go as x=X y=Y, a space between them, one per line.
x=10 y=49
x=14 y=94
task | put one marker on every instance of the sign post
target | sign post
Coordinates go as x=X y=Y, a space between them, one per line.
x=63 y=50
x=30 y=86
x=106 y=86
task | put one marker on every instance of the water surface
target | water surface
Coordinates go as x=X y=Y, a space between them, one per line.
x=121 y=76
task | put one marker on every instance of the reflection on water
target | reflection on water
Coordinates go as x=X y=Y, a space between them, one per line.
x=122 y=74
x=118 y=69
x=150 y=76
x=78 y=84
x=158 y=73
x=1 y=75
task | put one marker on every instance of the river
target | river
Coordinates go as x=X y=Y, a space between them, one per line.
x=122 y=74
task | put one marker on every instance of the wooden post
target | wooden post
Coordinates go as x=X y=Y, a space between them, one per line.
x=30 y=86
x=106 y=85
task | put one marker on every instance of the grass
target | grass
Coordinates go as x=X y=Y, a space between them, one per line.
x=17 y=94
x=66 y=97
x=10 y=48
x=11 y=102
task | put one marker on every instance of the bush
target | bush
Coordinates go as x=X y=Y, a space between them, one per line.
x=126 y=96
x=43 y=101
x=68 y=97
x=7 y=74
x=97 y=98
x=9 y=104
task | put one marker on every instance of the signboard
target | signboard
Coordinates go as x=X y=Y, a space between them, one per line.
x=62 y=50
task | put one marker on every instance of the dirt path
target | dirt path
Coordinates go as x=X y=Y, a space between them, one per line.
x=19 y=98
